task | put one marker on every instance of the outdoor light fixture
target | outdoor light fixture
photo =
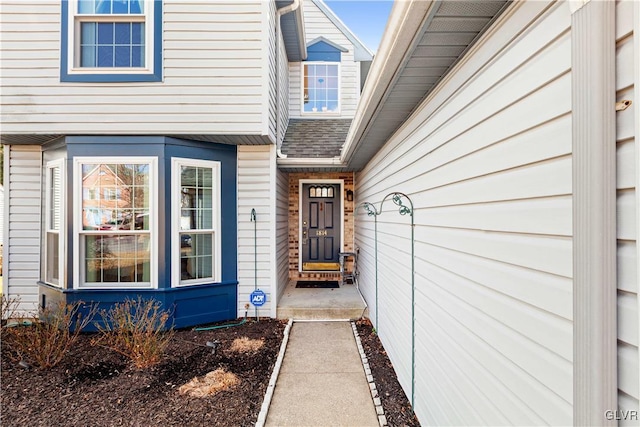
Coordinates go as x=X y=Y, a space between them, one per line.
x=349 y=196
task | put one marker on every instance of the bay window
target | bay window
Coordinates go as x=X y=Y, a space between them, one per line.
x=54 y=235
x=196 y=224
x=114 y=222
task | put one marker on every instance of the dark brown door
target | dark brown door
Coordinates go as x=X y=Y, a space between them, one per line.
x=321 y=228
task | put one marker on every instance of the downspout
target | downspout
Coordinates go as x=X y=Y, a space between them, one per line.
x=283 y=11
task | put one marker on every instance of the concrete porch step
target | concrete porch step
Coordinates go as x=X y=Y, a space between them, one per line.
x=321 y=313
x=317 y=304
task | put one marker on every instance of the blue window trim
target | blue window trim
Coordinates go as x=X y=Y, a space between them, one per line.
x=115 y=77
x=324 y=50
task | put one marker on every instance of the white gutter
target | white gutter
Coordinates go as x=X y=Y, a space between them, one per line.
x=312 y=163
x=405 y=21
x=283 y=11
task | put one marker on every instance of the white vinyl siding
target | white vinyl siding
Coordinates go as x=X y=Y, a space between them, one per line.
x=256 y=190
x=318 y=25
x=282 y=230
x=486 y=160
x=269 y=9
x=213 y=63
x=278 y=78
x=283 y=96
x=22 y=249
x=627 y=205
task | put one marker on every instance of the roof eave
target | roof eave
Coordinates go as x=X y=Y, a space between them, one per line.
x=302 y=47
x=405 y=21
x=379 y=114
x=295 y=46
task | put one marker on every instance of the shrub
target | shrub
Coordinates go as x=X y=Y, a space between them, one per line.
x=45 y=342
x=8 y=308
x=136 y=329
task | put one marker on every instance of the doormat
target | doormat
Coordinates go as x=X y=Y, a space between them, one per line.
x=331 y=284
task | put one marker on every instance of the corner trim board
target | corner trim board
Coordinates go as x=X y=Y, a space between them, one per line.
x=594 y=213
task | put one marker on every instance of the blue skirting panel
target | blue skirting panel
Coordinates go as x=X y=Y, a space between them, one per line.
x=188 y=306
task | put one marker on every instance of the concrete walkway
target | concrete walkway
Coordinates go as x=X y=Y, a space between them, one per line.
x=322 y=381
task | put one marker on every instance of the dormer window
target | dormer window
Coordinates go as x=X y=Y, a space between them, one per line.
x=321 y=74
x=321 y=88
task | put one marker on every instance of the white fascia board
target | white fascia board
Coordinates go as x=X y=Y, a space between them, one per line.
x=301 y=34
x=361 y=52
x=329 y=42
x=310 y=162
x=405 y=22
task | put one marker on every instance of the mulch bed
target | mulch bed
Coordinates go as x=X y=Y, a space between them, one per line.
x=397 y=407
x=95 y=386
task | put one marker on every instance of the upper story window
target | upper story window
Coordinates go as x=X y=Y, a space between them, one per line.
x=321 y=77
x=111 y=40
x=321 y=91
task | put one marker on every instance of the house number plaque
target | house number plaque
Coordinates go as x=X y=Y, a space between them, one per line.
x=321 y=232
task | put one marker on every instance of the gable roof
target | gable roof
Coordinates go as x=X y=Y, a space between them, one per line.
x=361 y=52
x=327 y=41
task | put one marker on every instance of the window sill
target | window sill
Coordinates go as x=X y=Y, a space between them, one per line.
x=322 y=114
x=188 y=283
x=112 y=287
x=110 y=77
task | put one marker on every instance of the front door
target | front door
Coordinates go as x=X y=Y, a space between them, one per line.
x=321 y=228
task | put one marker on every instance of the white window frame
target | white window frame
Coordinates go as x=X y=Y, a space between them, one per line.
x=61 y=230
x=78 y=246
x=73 y=39
x=176 y=205
x=320 y=113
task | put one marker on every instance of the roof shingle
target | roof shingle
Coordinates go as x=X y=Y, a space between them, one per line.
x=319 y=138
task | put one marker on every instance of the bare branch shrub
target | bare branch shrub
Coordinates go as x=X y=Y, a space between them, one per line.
x=9 y=308
x=45 y=342
x=136 y=329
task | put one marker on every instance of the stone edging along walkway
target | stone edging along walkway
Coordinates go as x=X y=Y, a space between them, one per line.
x=382 y=419
x=262 y=416
x=264 y=409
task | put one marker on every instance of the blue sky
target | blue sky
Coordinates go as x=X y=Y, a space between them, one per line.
x=365 y=18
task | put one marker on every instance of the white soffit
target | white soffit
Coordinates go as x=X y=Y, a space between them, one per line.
x=447 y=29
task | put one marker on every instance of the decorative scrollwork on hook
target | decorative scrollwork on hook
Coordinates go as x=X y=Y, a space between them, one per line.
x=403 y=209
x=397 y=199
x=369 y=208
